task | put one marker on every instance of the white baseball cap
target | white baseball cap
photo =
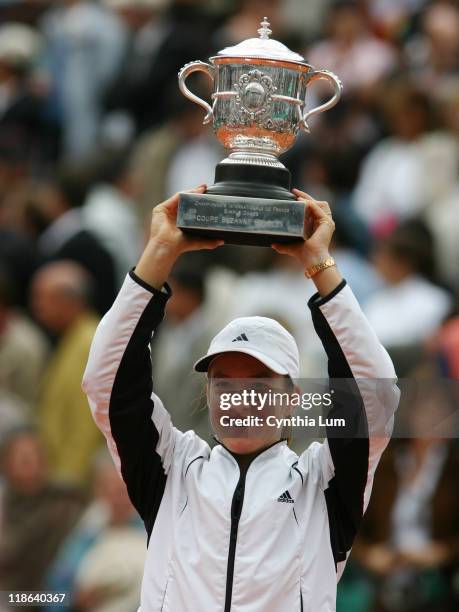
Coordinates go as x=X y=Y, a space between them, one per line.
x=262 y=338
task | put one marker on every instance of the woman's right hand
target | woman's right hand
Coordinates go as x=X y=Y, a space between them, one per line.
x=167 y=242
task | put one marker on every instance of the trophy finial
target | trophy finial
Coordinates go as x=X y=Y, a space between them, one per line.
x=264 y=31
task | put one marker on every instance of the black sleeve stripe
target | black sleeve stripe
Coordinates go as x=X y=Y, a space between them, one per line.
x=130 y=412
x=316 y=300
x=349 y=448
x=148 y=287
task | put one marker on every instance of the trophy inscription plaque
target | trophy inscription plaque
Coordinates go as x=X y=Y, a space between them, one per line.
x=257 y=110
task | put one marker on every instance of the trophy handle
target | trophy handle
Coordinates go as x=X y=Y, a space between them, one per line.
x=338 y=88
x=185 y=73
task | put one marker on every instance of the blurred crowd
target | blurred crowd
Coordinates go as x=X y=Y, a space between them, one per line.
x=93 y=134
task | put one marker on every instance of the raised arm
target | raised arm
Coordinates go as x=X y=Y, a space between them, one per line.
x=118 y=376
x=118 y=383
x=363 y=381
x=365 y=395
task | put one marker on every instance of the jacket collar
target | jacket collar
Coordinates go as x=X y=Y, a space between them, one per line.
x=260 y=455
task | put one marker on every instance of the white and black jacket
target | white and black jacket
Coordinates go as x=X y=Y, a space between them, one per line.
x=219 y=539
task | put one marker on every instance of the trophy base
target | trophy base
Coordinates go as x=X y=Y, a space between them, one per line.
x=247 y=205
x=241 y=220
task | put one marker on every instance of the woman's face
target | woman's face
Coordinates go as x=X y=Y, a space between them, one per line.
x=229 y=375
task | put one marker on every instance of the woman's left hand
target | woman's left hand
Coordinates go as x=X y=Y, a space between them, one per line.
x=318 y=232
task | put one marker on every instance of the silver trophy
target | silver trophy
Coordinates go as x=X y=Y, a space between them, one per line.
x=258 y=107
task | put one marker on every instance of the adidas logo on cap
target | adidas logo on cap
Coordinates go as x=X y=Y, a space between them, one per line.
x=260 y=337
x=241 y=337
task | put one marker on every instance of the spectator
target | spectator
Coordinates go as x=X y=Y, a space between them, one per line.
x=56 y=211
x=391 y=18
x=409 y=543
x=23 y=350
x=35 y=513
x=85 y=43
x=356 y=269
x=60 y=300
x=410 y=306
x=161 y=43
x=110 y=213
x=23 y=129
x=390 y=186
x=442 y=216
x=110 y=535
x=351 y=50
x=179 y=154
x=19 y=257
x=13 y=413
x=18 y=254
x=433 y=55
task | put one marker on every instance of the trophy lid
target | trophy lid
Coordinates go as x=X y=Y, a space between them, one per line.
x=262 y=48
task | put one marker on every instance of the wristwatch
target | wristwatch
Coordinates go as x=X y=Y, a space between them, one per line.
x=323 y=265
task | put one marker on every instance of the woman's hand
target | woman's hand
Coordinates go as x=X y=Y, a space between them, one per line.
x=167 y=242
x=167 y=236
x=318 y=231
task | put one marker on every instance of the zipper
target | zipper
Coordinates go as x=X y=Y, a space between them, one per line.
x=236 y=509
